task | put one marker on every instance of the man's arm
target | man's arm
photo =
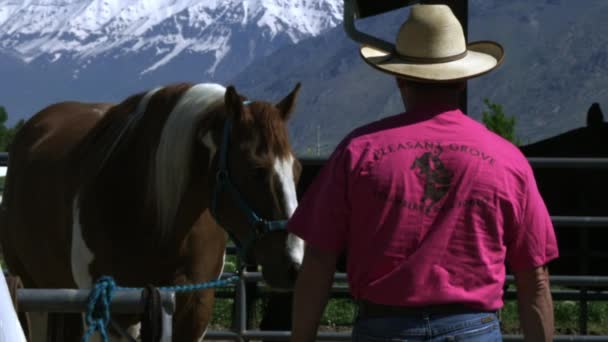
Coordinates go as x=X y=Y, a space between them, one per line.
x=312 y=292
x=535 y=304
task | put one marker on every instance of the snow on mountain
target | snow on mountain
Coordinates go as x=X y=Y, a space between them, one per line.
x=82 y=30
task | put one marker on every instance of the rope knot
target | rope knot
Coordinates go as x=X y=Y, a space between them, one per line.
x=98 y=308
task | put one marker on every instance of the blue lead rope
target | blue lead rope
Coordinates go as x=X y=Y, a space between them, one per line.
x=98 y=306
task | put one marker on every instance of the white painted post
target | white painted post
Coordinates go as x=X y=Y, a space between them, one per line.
x=10 y=327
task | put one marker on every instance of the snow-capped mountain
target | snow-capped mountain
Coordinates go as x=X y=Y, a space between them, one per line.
x=555 y=67
x=106 y=50
x=83 y=30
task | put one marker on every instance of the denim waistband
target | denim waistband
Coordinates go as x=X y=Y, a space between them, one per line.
x=369 y=309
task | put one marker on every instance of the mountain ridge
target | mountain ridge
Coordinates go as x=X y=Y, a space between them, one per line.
x=65 y=49
x=555 y=66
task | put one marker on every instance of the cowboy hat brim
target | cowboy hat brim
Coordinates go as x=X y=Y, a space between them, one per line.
x=482 y=57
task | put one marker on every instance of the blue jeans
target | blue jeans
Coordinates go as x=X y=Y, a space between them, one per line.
x=470 y=327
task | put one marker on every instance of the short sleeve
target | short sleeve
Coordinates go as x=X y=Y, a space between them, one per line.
x=531 y=240
x=321 y=218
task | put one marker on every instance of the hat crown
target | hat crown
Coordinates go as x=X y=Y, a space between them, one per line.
x=431 y=31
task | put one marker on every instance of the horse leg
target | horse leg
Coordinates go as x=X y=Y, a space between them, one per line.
x=134 y=330
x=43 y=326
x=193 y=309
x=193 y=315
x=62 y=327
x=277 y=315
x=204 y=247
x=126 y=323
x=252 y=296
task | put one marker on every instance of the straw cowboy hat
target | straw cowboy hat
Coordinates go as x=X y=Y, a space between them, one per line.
x=431 y=47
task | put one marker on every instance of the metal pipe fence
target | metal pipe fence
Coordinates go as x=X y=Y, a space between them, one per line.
x=241 y=333
x=75 y=301
x=589 y=286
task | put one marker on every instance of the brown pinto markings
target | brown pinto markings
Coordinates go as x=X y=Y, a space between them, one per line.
x=68 y=149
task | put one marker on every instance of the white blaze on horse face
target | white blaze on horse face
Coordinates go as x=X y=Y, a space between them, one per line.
x=81 y=256
x=284 y=169
x=295 y=248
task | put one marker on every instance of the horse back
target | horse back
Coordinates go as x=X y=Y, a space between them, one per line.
x=35 y=216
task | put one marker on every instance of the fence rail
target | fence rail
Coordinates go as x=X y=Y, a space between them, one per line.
x=568 y=163
x=69 y=300
x=242 y=333
x=75 y=301
x=590 y=286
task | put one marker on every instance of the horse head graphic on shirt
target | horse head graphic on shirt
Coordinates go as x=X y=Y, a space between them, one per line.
x=435 y=174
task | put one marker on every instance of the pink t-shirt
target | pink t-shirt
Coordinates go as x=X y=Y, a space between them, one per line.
x=428 y=207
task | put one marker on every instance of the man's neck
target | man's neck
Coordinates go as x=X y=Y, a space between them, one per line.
x=432 y=106
x=446 y=101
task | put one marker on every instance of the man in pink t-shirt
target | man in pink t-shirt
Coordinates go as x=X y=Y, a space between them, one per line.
x=428 y=206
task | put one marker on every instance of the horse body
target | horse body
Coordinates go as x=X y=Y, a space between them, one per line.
x=124 y=190
x=39 y=162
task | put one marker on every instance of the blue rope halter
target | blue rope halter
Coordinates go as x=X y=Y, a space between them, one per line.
x=260 y=226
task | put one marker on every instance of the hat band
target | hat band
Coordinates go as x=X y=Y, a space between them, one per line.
x=431 y=60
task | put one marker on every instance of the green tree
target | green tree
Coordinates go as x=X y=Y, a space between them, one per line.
x=496 y=121
x=7 y=134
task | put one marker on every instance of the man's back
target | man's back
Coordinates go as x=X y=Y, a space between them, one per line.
x=428 y=205
x=434 y=200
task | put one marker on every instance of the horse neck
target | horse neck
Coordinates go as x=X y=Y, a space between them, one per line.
x=115 y=163
x=139 y=171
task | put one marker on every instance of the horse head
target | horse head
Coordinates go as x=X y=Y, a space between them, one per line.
x=253 y=184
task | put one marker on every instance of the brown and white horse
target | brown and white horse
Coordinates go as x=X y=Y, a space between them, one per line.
x=126 y=190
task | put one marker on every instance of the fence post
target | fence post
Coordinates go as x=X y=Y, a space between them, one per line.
x=167 y=319
x=584 y=268
x=240 y=321
x=584 y=312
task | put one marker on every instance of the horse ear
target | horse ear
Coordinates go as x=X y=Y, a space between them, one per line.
x=234 y=105
x=288 y=104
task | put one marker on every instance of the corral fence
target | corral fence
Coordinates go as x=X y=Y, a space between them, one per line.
x=589 y=288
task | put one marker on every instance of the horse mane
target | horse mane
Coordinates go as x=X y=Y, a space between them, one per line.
x=107 y=135
x=171 y=170
x=170 y=164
